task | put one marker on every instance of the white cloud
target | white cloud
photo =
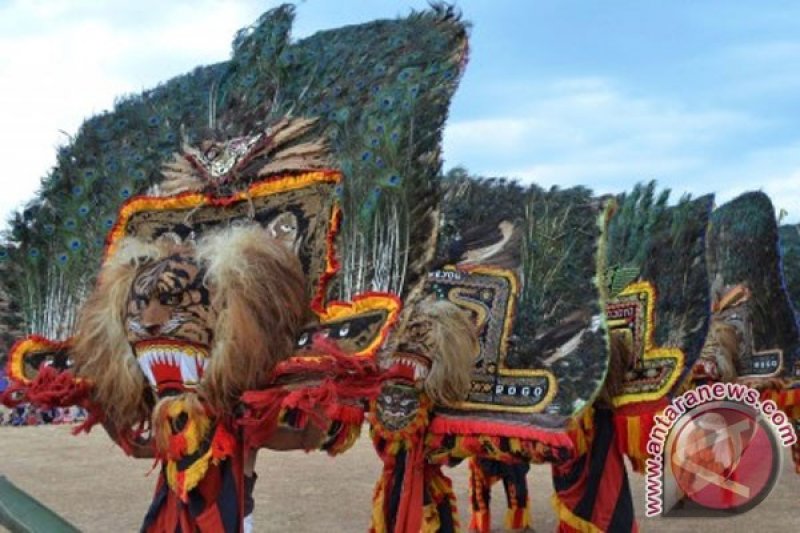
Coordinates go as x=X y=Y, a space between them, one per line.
x=588 y=131
x=63 y=61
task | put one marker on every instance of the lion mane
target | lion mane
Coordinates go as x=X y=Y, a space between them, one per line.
x=258 y=290
x=453 y=348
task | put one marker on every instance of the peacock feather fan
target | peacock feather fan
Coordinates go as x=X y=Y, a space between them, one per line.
x=379 y=93
x=551 y=240
x=790 y=253
x=650 y=241
x=744 y=248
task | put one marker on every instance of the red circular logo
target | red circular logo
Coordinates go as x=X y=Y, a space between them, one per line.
x=724 y=457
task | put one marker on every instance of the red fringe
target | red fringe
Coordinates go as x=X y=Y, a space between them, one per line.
x=52 y=388
x=444 y=425
x=347 y=384
x=94 y=416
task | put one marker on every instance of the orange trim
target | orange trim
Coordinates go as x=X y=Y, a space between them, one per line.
x=268 y=187
x=25 y=346
x=331 y=263
x=368 y=301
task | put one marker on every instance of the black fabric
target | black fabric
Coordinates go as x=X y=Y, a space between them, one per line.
x=155 y=505
x=623 y=517
x=249 y=501
x=604 y=434
x=228 y=500
x=396 y=489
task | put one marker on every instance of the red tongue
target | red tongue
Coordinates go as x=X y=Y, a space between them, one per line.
x=400 y=371
x=168 y=377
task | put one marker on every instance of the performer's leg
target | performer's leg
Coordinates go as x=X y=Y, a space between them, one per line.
x=250 y=478
x=591 y=490
x=480 y=493
x=516 y=485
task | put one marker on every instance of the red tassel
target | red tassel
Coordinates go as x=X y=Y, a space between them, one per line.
x=346 y=384
x=444 y=425
x=52 y=388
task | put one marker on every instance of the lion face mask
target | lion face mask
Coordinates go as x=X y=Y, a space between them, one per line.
x=435 y=351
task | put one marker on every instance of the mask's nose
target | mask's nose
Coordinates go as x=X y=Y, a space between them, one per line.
x=154 y=316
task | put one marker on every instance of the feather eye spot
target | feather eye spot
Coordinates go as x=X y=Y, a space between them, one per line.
x=125 y=193
x=71 y=224
x=108 y=223
x=139 y=174
x=366 y=155
x=49 y=229
x=62 y=258
x=83 y=210
x=77 y=190
x=75 y=245
x=33 y=252
x=154 y=121
x=3 y=254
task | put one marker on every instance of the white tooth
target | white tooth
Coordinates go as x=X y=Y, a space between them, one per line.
x=188 y=369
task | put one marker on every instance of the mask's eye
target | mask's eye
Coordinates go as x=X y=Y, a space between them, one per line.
x=303 y=340
x=344 y=329
x=405 y=403
x=169 y=299
x=388 y=400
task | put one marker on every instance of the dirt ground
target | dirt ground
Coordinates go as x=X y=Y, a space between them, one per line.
x=95 y=486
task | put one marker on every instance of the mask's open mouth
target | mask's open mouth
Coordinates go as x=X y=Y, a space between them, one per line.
x=171 y=366
x=409 y=367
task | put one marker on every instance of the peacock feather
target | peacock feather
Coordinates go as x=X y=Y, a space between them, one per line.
x=651 y=241
x=551 y=240
x=790 y=254
x=379 y=93
x=744 y=247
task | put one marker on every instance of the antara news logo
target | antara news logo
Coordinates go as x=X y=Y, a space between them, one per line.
x=715 y=451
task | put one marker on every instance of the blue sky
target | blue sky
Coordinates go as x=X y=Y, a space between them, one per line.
x=701 y=96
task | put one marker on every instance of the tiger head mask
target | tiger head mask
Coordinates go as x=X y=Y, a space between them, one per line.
x=169 y=317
